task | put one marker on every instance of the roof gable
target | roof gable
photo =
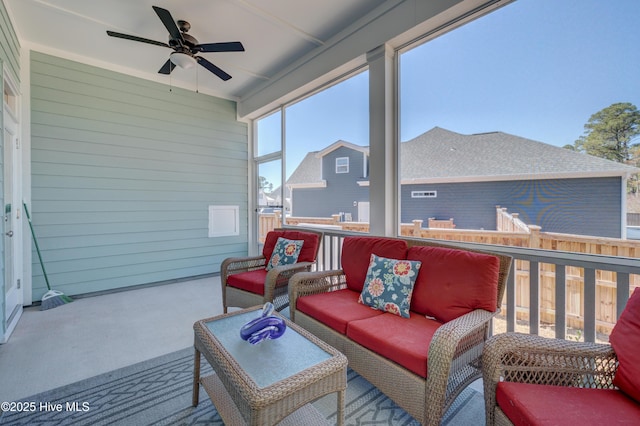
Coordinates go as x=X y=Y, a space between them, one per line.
x=341 y=144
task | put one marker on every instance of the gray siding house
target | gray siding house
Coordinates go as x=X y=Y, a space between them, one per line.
x=450 y=175
x=331 y=181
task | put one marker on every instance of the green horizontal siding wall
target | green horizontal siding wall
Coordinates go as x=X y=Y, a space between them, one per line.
x=9 y=45
x=123 y=172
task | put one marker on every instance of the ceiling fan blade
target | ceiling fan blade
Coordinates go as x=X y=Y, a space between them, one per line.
x=231 y=46
x=214 y=69
x=135 y=38
x=169 y=23
x=167 y=67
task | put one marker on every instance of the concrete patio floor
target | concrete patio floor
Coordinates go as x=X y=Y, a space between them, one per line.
x=98 y=334
x=94 y=335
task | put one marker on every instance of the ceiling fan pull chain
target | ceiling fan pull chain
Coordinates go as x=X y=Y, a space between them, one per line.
x=197 y=80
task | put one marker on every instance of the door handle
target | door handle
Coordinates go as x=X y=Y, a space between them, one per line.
x=9 y=234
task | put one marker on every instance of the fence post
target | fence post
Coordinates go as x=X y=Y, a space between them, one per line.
x=278 y=221
x=534 y=240
x=417 y=227
x=514 y=219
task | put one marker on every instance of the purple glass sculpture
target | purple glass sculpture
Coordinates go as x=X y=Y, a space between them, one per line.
x=266 y=326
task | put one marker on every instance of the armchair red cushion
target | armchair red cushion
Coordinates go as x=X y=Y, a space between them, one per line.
x=453 y=282
x=532 y=404
x=251 y=281
x=309 y=247
x=625 y=340
x=356 y=255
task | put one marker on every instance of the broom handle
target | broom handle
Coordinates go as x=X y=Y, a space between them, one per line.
x=35 y=241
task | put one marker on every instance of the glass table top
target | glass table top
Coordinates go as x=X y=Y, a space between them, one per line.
x=272 y=360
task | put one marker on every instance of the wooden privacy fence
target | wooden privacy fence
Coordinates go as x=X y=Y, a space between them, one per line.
x=269 y=221
x=606 y=287
x=511 y=231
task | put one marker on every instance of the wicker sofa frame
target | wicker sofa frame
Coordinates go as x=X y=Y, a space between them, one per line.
x=534 y=359
x=275 y=285
x=454 y=354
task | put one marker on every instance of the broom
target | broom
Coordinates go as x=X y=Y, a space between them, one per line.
x=51 y=298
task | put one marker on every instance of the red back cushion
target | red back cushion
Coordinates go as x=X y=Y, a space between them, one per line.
x=453 y=282
x=309 y=247
x=356 y=255
x=625 y=340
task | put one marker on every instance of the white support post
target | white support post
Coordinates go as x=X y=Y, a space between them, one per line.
x=383 y=155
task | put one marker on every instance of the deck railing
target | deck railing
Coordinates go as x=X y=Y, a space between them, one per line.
x=579 y=287
x=512 y=232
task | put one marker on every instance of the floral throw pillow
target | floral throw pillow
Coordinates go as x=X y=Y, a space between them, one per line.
x=285 y=252
x=389 y=285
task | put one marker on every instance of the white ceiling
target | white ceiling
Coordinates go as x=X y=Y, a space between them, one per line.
x=273 y=32
x=277 y=35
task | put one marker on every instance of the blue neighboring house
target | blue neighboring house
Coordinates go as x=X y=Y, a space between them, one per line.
x=450 y=175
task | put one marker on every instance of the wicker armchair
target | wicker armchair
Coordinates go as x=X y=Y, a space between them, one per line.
x=532 y=379
x=453 y=360
x=524 y=358
x=262 y=285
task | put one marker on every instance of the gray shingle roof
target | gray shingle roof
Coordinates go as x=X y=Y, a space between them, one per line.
x=308 y=172
x=440 y=153
x=446 y=156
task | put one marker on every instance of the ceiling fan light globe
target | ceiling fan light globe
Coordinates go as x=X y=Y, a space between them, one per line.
x=182 y=60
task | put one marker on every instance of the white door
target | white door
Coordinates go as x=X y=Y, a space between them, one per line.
x=13 y=292
x=363 y=211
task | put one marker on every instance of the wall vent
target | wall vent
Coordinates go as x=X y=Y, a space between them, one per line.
x=224 y=221
x=424 y=194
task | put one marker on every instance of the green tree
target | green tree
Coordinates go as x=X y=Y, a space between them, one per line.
x=633 y=184
x=265 y=185
x=610 y=133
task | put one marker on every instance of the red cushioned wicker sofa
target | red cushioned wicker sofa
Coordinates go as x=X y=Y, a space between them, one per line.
x=421 y=362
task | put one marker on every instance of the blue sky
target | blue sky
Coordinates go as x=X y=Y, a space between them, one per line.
x=534 y=68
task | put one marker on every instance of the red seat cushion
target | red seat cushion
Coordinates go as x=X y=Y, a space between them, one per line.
x=625 y=340
x=335 y=309
x=309 y=247
x=453 y=282
x=251 y=281
x=530 y=404
x=356 y=255
x=403 y=341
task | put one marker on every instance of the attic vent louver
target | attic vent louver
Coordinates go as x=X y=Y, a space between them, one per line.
x=424 y=194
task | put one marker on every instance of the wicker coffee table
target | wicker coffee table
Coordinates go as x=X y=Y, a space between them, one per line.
x=267 y=383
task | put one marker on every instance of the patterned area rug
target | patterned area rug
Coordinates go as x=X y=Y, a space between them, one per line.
x=158 y=392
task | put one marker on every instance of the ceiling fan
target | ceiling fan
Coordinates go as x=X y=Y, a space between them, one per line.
x=185 y=47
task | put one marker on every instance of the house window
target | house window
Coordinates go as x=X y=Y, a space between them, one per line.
x=342 y=165
x=424 y=194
